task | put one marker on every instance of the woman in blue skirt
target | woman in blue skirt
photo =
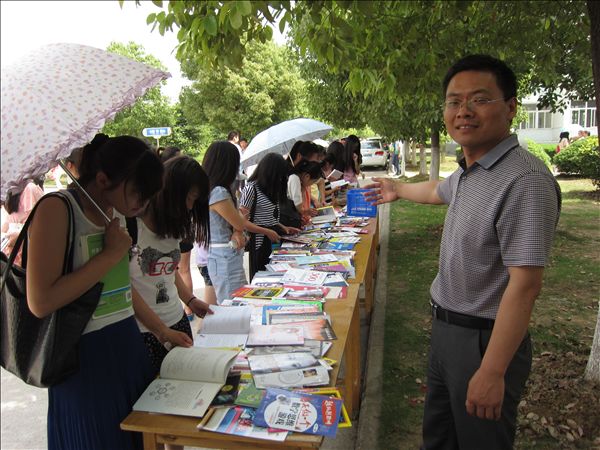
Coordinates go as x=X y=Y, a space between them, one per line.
x=85 y=410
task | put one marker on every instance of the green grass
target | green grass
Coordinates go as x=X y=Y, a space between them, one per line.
x=562 y=321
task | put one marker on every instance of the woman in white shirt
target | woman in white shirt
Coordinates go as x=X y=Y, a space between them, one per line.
x=178 y=212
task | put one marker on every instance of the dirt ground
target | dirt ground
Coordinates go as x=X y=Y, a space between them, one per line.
x=560 y=409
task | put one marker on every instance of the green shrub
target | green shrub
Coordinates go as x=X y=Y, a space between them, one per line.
x=582 y=157
x=537 y=150
x=550 y=150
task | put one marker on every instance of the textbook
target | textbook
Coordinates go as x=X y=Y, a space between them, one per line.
x=238 y=420
x=299 y=412
x=227 y=327
x=116 y=290
x=190 y=378
x=325 y=214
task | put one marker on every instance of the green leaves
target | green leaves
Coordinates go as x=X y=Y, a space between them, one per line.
x=210 y=25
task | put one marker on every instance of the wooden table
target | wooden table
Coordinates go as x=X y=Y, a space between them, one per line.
x=365 y=262
x=179 y=430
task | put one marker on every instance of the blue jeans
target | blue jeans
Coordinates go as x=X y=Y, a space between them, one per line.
x=226 y=270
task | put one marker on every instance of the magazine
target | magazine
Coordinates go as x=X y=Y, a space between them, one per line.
x=238 y=420
x=311 y=376
x=299 y=412
x=281 y=362
x=275 y=335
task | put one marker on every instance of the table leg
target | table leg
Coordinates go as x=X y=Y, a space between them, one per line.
x=352 y=360
x=150 y=442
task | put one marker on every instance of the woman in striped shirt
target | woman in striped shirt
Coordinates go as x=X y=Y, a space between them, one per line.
x=259 y=205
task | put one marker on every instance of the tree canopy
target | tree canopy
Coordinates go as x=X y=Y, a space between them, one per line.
x=151 y=110
x=265 y=89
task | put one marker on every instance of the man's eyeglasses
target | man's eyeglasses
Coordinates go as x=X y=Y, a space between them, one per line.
x=473 y=104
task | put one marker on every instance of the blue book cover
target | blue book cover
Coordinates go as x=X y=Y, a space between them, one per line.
x=299 y=412
x=337 y=246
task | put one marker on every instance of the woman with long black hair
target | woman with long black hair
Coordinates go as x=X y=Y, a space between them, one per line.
x=266 y=188
x=177 y=214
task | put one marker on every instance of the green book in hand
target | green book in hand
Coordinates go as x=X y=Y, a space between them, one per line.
x=116 y=290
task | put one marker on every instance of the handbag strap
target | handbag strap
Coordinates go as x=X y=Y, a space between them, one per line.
x=22 y=239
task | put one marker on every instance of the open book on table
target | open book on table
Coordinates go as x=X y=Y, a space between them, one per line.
x=190 y=378
x=227 y=327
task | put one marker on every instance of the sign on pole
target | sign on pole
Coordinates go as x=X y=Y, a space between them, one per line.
x=157 y=133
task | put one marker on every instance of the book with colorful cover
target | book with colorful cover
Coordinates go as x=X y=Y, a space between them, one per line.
x=299 y=412
x=265 y=292
x=238 y=420
x=116 y=290
x=229 y=392
x=331 y=392
x=249 y=395
x=337 y=246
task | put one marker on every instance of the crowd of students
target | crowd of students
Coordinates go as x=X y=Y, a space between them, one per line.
x=161 y=205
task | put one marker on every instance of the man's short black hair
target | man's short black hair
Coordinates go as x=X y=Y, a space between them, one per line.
x=505 y=77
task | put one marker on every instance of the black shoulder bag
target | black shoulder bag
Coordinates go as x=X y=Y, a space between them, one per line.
x=41 y=352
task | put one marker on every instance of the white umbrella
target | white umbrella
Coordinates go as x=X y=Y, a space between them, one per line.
x=281 y=137
x=56 y=99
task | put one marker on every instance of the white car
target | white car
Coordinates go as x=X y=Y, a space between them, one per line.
x=373 y=153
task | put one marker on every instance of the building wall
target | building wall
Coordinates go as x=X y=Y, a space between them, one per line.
x=555 y=123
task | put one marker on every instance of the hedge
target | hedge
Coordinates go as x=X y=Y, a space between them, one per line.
x=582 y=158
x=538 y=150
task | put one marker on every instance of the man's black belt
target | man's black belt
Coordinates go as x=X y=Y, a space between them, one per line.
x=462 y=320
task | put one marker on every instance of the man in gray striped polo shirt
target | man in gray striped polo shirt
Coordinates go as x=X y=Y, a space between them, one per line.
x=503 y=209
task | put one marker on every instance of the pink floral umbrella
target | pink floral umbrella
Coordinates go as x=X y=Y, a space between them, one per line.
x=56 y=99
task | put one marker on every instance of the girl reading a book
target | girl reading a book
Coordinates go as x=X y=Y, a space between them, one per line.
x=227 y=240
x=120 y=174
x=259 y=205
x=177 y=214
x=303 y=176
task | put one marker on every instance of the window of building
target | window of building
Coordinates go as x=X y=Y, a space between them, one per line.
x=536 y=118
x=583 y=113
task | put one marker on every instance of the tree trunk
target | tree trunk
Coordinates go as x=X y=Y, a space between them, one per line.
x=413 y=153
x=434 y=171
x=592 y=371
x=405 y=156
x=594 y=13
x=422 y=159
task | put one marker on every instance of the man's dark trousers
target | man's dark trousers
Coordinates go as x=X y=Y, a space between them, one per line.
x=454 y=356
